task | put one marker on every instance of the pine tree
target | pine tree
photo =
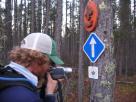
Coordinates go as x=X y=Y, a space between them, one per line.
x=102 y=89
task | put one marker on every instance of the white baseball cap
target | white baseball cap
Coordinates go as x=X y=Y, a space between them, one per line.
x=43 y=43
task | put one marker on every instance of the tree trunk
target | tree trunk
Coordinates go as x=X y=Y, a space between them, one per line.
x=80 y=61
x=102 y=88
x=33 y=18
x=125 y=29
x=20 y=22
x=58 y=25
x=25 y=19
x=39 y=16
x=15 y=31
x=8 y=28
x=66 y=18
x=47 y=17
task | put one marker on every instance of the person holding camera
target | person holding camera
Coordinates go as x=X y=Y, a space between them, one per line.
x=29 y=63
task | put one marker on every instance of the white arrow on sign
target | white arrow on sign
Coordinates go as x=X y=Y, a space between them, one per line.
x=92 y=43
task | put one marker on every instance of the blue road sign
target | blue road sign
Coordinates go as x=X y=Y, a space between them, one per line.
x=93 y=47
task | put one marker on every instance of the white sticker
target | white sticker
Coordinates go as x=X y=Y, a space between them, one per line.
x=93 y=72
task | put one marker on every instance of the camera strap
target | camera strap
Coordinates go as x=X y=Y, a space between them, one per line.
x=60 y=95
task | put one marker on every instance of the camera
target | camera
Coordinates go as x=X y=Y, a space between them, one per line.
x=60 y=72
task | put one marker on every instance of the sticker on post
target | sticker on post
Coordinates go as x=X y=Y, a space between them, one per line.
x=93 y=72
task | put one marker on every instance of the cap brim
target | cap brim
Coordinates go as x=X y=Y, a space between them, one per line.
x=56 y=59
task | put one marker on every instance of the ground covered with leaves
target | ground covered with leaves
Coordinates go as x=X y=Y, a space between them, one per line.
x=125 y=90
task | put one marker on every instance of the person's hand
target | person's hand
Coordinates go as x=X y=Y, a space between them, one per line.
x=51 y=85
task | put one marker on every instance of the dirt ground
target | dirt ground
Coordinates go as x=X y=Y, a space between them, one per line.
x=125 y=91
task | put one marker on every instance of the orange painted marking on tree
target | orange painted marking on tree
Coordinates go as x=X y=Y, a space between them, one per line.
x=90 y=16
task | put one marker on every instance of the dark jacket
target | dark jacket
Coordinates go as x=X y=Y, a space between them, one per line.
x=18 y=91
x=22 y=94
